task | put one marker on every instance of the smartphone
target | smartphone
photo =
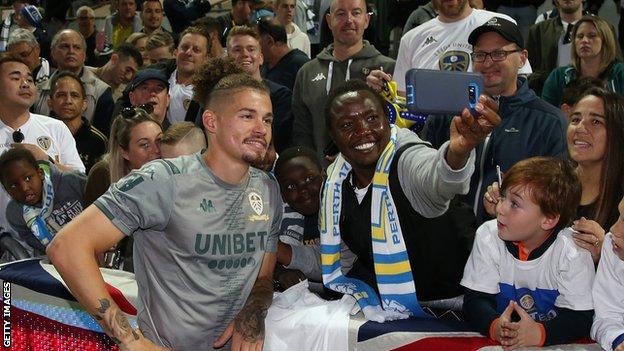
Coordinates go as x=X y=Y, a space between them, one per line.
x=442 y=92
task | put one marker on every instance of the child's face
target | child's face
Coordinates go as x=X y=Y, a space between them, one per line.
x=519 y=218
x=24 y=182
x=300 y=181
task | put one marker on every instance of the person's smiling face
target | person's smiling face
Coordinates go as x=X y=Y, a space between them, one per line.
x=359 y=128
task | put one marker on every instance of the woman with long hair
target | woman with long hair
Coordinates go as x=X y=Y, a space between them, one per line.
x=133 y=142
x=594 y=54
x=595 y=138
x=595 y=142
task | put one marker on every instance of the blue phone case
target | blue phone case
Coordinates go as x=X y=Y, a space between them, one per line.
x=442 y=92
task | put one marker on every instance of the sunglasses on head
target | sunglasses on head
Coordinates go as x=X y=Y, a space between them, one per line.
x=18 y=136
x=130 y=112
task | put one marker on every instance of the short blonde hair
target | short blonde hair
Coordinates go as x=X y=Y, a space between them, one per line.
x=88 y=9
x=158 y=39
x=182 y=138
x=181 y=132
x=134 y=37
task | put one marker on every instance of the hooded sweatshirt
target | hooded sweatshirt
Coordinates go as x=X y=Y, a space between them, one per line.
x=314 y=82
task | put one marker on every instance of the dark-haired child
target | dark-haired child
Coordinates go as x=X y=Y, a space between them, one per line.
x=527 y=282
x=43 y=199
x=300 y=176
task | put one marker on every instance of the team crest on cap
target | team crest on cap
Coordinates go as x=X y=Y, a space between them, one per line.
x=44 y=142
x=454 y=61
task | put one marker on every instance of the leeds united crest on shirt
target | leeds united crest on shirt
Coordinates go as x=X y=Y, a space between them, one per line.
x=257 y=205
x=44 y=142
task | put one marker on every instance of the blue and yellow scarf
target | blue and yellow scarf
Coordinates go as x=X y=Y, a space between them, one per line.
x=392 y=266
x=37 y=218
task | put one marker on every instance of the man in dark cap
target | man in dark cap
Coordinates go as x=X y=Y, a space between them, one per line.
x=530 y=126
x=149 y=86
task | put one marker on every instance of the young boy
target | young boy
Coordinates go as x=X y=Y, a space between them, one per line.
x=608 y=327
x=527 y=283
x=300 y=176
x=43 y=199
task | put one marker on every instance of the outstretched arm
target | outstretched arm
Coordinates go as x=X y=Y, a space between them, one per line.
x=73 y=253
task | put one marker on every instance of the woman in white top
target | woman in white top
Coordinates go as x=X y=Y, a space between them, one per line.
x=285 y=13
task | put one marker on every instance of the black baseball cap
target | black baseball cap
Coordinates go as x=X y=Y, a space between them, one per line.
x=146 y=74
x=505 y=28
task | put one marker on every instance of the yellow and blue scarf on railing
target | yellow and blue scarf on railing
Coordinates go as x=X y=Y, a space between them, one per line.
x=392 y=266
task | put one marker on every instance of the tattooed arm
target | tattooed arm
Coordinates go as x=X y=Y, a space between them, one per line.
x=247 y=329
x=73 y=253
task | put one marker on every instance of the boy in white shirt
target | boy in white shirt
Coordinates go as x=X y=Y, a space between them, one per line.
x=527 y=283
x=608 y=327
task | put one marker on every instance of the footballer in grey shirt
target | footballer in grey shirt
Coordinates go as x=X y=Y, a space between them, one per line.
x=198 y=245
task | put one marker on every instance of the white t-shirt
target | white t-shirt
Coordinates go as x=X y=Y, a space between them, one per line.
x=181 y=96
x=564 y=51
x=299 y=40
x=608 y=297
x=49 y=134
x=562 y=276
x=444 y=46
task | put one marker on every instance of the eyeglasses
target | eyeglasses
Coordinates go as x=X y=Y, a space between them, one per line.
x=85 y=18
x=131 y=112
x=498 y=55
x=18 y=136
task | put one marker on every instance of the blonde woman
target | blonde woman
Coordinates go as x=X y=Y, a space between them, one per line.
x=594 y=54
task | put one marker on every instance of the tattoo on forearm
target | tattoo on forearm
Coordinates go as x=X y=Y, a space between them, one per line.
x=126 y=329
x=250 y=320
x=115 y=323
x=104 y=305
